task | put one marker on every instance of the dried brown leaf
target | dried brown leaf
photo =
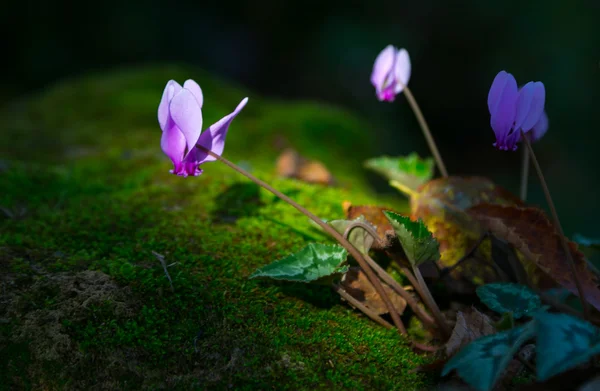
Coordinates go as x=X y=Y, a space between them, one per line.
x=469 y=326
x=290 y=164
x=356 y=283
x=529 y=231
x=314 y=172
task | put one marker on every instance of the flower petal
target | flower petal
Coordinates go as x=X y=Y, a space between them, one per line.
x=172 y=143
x=195 y=90
x=530 y=105
x=402 y=70
x=383 y=66
x=187 y=115
x=213 y=138
x=502 y=103
x=171 y=89
x=540 y=128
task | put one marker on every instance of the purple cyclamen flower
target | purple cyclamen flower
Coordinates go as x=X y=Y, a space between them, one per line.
x=513 y=111
x=180 y=118
x=391 y=73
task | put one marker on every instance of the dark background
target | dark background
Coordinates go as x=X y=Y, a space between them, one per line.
x=325 y=50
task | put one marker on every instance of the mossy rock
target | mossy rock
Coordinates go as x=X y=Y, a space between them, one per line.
x=87 y=199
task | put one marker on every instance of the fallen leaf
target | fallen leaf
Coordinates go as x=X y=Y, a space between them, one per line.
x=469 y=326
x=314 y=172
x=441 y=204
x=529 y=231
x=290 y=164
x=356 y=283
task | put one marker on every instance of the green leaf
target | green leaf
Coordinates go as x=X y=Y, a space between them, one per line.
x=482 y=362
x=359 y=237
x=563 y=342
x=510 y=297
x=418 y=243
x=312 y=263
x=410 y=171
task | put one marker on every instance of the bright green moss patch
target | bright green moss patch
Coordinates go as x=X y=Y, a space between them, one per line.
x=84 y=301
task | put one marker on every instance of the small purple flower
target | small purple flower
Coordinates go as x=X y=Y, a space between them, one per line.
x=391 y=73
x=513 y=111
x=180 y=118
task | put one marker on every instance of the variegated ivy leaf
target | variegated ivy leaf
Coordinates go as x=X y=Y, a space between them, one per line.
x=510 y=297
x=418 y=243
x=563 y=342
x=482 y=362
x=314 y=262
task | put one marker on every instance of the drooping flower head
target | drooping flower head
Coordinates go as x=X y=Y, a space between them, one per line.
x=391 y=73
x=180 y=118
x=514 y=110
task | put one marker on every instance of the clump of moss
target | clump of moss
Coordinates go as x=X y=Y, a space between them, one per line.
x=89 y=304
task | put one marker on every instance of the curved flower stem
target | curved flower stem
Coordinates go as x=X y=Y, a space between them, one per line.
x=359 y=224
x=524 y=173
x=426 y=132
x=327 y=228
x=419 y=311
x=563 y=241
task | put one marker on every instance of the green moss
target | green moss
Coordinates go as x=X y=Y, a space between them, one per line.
x=86 y=166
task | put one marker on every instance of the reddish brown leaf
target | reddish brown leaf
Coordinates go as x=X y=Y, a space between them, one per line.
x=292 y=165
x=529 y=231
x=441 y=203
x=374 y=215
x=356 y=283
x=315 y=172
